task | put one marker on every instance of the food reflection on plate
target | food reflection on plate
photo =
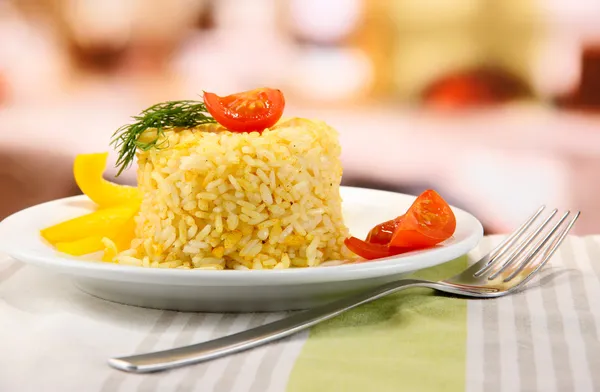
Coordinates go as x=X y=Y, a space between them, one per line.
x=227 y=183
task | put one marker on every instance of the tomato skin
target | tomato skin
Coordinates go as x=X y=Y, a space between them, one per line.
x=248 y=111
x=428 y=221
x=371 y=251
x=383 y=232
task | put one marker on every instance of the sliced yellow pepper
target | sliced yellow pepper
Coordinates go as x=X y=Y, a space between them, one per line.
x=105 y=223
x=88 y=170
x=81 y=246
x=119 y=240
x=125 y=235
x=112 y=227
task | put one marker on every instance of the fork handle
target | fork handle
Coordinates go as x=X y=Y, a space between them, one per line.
x=187 y=355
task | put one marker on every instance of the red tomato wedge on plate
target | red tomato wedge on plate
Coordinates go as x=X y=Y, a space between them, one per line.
x=428 y=221
x=248 y=111
x=383 y=232
x=371 y=251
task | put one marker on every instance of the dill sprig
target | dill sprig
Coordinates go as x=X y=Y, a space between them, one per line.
x=163 y=115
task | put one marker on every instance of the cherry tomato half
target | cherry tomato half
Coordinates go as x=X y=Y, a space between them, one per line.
x=371 y=251
x=382 y=233
x=428 y=221
x=248 y=111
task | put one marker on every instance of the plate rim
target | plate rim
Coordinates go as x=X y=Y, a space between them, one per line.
x=125 y=273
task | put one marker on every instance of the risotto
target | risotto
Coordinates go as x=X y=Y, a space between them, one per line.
x=216 y=199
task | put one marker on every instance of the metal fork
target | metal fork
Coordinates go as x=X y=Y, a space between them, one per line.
x=504 y=270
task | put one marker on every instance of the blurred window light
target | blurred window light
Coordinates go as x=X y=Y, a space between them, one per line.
x=573 y=12
x=496 y=174
x=554 y=75
x=29 y=63
x=115 y=22
x=166 y=19
x=107 y=22
x=324 y=21
x=332 y=74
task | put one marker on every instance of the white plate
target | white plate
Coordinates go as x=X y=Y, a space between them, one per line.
x=222 y=291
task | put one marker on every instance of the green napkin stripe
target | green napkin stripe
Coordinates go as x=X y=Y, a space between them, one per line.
x=410 y=341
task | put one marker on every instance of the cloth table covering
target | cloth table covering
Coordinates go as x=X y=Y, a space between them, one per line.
x=54 y=337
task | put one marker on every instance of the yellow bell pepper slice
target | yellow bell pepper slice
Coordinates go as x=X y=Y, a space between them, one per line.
x=111 y=244
x=88 y=170
x=105 y=223
x=125 y=235
x=81 y=246
x=121 y=242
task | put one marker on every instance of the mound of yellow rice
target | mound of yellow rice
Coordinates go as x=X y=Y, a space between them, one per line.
x=215 y=199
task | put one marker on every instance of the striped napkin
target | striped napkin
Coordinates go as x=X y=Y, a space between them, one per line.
x=546 y=338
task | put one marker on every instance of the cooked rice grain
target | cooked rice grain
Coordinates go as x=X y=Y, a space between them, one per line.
x=214 y=199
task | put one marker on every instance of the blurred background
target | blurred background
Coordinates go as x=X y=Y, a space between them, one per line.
x=496 y=104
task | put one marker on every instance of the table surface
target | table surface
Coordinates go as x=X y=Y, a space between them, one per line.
x=545 y=338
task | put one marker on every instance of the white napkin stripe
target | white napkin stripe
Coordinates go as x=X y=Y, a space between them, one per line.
x=215 y=369
x=524 y=355
x=474 y=362
x=233 y=371
x=509 y=355
x=115 y=380
x=544 y=376
x=584 y=249
x=199 y=328
x=587 y=288
x=492 y=363
x=195 y=373
x=252 y=360
x=575 y=346
x=182 y=328
x=282 y=369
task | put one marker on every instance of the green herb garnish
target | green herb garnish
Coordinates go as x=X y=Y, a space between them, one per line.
x=168 y=114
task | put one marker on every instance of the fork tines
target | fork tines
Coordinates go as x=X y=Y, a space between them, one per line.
x=520 y=254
